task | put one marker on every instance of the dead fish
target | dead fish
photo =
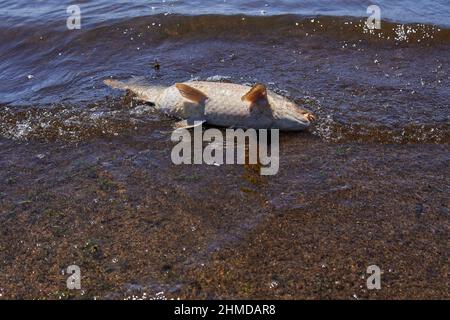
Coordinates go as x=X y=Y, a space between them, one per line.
x=222 y=104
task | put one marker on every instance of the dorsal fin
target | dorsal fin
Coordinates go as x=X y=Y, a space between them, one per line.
x=257 y=93
x=190 y=93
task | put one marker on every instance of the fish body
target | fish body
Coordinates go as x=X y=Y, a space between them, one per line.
x=223 y=104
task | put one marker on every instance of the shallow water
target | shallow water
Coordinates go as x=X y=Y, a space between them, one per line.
x=334 y=65
x=87 y=171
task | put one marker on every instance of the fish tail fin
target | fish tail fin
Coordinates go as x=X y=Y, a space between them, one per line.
x=142 y=91
x=115 y=84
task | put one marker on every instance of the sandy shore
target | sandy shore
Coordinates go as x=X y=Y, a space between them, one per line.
x=139 y=226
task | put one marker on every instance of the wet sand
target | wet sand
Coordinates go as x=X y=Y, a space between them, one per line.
x=140 y=227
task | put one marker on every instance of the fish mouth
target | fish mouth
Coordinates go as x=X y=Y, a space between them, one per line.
x=300 y=122
x=311 y=117
x=292 y=123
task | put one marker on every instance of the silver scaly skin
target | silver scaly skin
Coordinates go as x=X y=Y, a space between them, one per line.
x=223 y=104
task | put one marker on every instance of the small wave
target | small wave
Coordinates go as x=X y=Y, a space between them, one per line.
x=112 y=118
x=72 y=123
x=332 y=131
x=158 y=28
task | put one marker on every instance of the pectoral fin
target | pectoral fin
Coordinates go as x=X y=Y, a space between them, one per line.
x=257 y=97
x=257 y=94
x=191 y=93
x=188 y=124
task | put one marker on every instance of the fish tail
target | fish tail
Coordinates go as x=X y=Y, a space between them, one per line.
x=142 y=91
x=115 y=84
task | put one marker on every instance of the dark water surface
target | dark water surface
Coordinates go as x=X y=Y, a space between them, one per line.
x=87 y=172
x=334 y=64
x=341 y=70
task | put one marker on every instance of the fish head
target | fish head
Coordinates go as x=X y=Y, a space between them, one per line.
x=288 y=116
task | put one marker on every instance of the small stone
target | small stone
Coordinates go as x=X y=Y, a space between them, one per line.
x=156 y=65
x=419 y=209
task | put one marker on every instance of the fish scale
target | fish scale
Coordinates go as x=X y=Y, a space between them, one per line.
x=224 y=105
